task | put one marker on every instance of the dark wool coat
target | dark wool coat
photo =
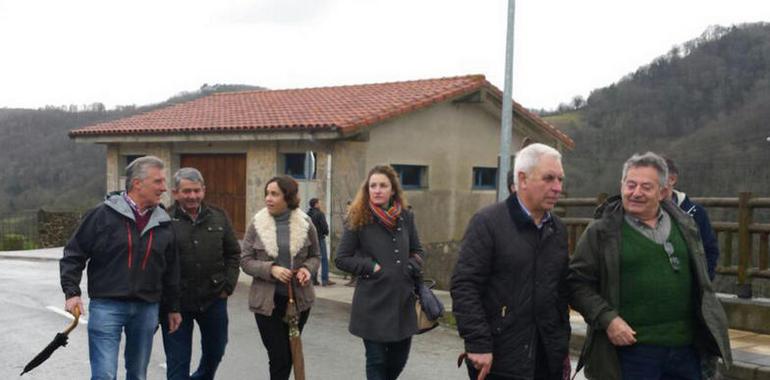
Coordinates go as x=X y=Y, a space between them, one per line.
x=383 y=302
x=594 y=281
x=509 y=289
x=209 y=255
x=319 y=221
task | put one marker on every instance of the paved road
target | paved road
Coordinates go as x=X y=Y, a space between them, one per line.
x=29 y=287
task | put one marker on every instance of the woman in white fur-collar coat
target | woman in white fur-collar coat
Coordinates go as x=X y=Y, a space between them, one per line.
x=280 y=248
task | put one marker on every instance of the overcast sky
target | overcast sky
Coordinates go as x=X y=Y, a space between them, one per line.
x=144 y=51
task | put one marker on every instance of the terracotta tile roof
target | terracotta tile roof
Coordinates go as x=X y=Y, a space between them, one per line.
x=341 y=108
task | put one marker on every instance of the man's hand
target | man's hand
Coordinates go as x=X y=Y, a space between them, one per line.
x=482 y=362
x=223 y=294
x=174 y=320
x=73 y=302
x=303 y=276
x=280 y=273
x=620 y=333
x=377 y=268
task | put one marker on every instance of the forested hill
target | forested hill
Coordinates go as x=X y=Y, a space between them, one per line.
x=40 y=165
x=705 y=103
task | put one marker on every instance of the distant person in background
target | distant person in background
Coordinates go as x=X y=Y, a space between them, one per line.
x=710 y=242
x=322 y=228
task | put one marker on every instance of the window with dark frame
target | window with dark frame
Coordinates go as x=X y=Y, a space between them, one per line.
x=484 y=178
x=412 y=176
x=294 y=165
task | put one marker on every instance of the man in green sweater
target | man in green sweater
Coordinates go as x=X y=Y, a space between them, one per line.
x=639 y=278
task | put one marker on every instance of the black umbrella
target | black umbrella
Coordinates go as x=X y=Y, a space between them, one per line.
x=59 y=340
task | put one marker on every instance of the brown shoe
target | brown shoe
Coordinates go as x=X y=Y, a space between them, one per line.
x=330 y=283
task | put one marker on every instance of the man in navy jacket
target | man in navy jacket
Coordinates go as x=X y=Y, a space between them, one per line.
x=710 y=242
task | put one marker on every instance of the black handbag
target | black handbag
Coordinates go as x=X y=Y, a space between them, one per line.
x=427 y=307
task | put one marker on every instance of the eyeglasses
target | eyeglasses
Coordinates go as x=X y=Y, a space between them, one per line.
x=673 y=260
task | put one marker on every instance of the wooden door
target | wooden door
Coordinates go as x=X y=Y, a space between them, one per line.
x=225 y=177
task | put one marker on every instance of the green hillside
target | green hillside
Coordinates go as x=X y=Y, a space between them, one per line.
x=706 y=104
x=42 y=167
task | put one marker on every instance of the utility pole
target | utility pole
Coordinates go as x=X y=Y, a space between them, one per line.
x=506 y=130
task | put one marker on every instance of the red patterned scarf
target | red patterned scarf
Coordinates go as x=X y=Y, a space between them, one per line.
x=389 y=217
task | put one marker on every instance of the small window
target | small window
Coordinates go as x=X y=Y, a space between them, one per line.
x=294 y=165
x=412 y=176
x=132 y=158
x=484 y=178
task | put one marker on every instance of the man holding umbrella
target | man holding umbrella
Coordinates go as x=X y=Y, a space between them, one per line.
x=127 y=244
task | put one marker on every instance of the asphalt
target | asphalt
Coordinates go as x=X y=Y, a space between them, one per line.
x=751 y=351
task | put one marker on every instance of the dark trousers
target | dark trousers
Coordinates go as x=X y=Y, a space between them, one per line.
x=324 y=263
x=385 y=361
x=275 y=336
x=212 y=323
x=542 y=371
x=648 y=362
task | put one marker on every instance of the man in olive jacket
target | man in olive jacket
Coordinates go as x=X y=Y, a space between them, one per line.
x=638 y=276
x=209 y=254
x=509 y=293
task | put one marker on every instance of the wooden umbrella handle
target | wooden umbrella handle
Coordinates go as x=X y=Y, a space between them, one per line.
x=74 y=323
x=291 y=292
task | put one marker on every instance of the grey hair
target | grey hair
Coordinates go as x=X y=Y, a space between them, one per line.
x=528 y=157
x=190 y=174
x=137 y=169
x=649 y=160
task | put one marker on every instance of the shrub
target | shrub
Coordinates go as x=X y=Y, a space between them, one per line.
x=13 y=242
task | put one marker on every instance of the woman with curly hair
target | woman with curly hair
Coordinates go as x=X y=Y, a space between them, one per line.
x=381 y=247
x=280 y=249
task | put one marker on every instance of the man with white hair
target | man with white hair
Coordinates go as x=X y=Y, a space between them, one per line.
x=509 y=295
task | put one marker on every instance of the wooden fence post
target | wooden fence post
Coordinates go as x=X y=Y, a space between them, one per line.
x=744 y=245
x=601 y=198
x=763 y=238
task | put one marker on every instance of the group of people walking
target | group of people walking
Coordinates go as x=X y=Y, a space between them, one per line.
x=639 y=276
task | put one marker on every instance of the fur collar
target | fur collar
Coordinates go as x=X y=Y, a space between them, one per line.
x=299 y=225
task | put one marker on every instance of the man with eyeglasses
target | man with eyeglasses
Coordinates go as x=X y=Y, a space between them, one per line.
x=639 y=278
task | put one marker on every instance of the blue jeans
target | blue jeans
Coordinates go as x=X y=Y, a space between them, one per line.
x=648 y=362
x=212 y=323
x=386 y=360
x=324 y=261
x=108 y=319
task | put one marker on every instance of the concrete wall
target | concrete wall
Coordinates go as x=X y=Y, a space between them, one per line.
x=450 y=139
x=260 y=167
x=348 y=170
x=114 y=168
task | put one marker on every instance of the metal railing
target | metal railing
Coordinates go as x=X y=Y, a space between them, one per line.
x=19 y=230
